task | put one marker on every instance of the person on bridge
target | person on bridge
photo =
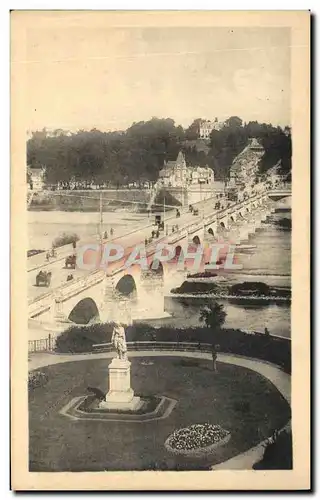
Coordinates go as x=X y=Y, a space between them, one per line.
x=48 y=256
x=111 y=232
x=105 y=235
x=177 y=213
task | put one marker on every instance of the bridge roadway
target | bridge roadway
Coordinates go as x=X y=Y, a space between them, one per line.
x=129 y=240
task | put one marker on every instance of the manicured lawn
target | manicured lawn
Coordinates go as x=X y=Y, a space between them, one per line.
x=58 y=443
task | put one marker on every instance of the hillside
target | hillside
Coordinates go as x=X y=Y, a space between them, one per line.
x=117 y=158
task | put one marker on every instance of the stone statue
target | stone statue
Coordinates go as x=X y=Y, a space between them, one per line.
x=118 y=339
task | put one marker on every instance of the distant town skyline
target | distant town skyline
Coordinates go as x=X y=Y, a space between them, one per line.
x=108 y=78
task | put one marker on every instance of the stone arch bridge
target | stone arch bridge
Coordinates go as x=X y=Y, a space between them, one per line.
x=96 y=294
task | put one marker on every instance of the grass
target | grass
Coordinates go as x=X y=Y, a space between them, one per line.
x=61 y=444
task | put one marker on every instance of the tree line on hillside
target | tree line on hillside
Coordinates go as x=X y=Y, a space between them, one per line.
x=138 y=154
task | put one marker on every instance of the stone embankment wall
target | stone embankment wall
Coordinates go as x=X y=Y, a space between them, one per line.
x=88 y=200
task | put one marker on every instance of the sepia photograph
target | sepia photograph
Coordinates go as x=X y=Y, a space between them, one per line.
x=160 y=183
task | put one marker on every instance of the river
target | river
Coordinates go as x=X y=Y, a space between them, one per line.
x=44 y=227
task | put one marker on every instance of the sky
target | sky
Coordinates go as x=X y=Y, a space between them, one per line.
x=108 y=78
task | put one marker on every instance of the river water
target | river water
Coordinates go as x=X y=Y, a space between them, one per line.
x=44 y=227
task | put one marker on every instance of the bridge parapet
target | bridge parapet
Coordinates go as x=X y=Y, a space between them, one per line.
x=40 y=305
x=68 y=289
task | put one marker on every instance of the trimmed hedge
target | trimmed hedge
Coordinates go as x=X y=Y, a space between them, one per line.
x=276 y=350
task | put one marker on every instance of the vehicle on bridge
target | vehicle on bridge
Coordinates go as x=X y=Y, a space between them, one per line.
x=159 y=223
x=70 y=261
x=43 y=278
x=195 y=211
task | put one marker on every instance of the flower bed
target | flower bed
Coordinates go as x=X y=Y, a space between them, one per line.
x=197 y=439
x=37 y=379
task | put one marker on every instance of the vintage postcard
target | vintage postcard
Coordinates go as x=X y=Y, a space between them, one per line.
x=160 y=250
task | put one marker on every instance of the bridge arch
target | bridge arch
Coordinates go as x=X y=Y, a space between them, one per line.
x=156 y=267
x=178 y=251
x=231 y=218
x=196 y=240
x=222 y=225
x=155 y=270
x=210 y=231
x=127 y=286
x=85 y=311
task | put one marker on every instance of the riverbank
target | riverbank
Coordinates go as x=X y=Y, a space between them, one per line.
x=87 y=200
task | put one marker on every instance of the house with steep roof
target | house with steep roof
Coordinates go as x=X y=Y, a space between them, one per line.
x=177 y=174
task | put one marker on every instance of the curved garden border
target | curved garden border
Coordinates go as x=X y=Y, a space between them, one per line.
x=280 y=379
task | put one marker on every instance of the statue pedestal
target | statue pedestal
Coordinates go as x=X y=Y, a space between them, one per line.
x=120 y=395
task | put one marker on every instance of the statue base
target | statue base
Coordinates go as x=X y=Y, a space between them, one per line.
x=120 y=395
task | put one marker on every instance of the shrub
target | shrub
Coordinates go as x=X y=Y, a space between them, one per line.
x=79 y=339
x=195 y=287
x=37 y=379
x=65 y=239
x=266 y=347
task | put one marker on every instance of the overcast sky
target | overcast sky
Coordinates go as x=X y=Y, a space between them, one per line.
x=109 y=78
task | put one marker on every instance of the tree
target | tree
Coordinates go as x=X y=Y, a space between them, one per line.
x=192 y=132
x=213 y=316
x=234 y=122
x=138 y=154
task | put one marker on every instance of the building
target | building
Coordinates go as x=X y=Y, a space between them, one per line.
x=206 y=127
x=178 y=174
x=36 y=178
x=201 y=175
x=245 y=166
x=174 y=173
